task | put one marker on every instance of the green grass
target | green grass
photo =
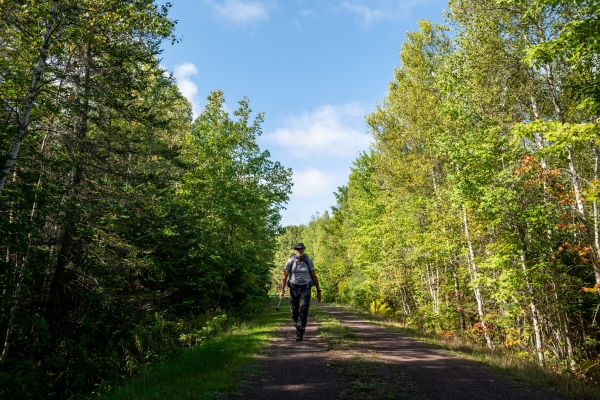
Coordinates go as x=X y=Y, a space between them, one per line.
x=206 y=371
x=370 y=381
x=332 y=332
x=521 y=370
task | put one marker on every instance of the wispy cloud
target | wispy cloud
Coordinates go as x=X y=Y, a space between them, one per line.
x=312 y=192
x=313 y=183
x=371 y=11
x=240 y=12
x=187 y=87
x=368 y=14
x=328 y=130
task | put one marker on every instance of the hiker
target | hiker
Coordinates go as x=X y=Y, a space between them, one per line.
x=301 y=271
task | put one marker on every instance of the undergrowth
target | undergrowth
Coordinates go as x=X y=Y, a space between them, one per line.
x=207 y=370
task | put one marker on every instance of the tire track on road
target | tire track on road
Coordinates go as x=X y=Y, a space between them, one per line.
x=438 y=374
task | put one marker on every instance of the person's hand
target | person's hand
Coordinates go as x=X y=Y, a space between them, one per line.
x=319 y=297
x=282 y=293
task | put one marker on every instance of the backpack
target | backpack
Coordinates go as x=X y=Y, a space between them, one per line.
x=305 y=260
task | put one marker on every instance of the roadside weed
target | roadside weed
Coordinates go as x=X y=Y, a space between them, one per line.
x=206 y=371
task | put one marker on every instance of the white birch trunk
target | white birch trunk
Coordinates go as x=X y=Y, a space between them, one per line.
x=534 y=314
x=11 y=316
x=582 y=216
x=477 y=289
x=563 y=332
x=595 y=206
x=31 y=95
x=432 y=290
x=562 y=316
x=563 y=329
x=574 y=176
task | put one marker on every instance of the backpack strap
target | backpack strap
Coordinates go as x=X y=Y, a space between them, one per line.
x=288 y=284
x=304 y=259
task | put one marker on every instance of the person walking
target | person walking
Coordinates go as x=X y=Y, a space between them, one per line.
x=301 y=272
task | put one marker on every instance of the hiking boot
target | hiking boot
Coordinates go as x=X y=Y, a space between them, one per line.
x=299 y=336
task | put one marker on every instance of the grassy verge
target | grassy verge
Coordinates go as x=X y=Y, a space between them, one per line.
x=521 y=370
x=208 y=370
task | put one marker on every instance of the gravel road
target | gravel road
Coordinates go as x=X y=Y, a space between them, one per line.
x=382 y=365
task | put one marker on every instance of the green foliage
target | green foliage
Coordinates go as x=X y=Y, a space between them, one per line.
x=128 y=230
x=208 y=370
x=475 y=214
x=575 y=38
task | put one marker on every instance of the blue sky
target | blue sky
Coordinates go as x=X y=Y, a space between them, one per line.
x=315 y=68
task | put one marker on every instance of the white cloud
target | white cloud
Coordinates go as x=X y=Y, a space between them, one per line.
x=239 y=11
x=319 y=145
x=371 y=11
x=312 y=192
x=187 y=87
x=365 y=12
x=328 y=130
x=313 y=183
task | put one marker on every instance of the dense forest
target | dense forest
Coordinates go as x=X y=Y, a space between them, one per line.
x=475 y=213
x=128 y=230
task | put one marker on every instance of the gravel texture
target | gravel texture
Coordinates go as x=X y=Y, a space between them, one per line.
x=290 y=370
x=383 y=365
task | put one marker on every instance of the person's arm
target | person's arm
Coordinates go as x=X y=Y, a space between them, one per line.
x=286 y=273
x=316 y=281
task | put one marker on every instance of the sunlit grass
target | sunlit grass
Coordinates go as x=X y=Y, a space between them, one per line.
x=208 y=370
x=336 y=335
x=518 y=368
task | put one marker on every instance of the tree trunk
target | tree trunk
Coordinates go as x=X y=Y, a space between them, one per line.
x=595 y=205
x=10 y=307
x=477 y=289
x=72 y=214
x=563 y=331
x=461 y=313
x=11 y=316
x=534 y=314
x=562 y=316
x=582 y=216
x=31 y=96
x=432 y=289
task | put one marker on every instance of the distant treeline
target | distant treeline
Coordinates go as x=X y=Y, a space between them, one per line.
x=127 y=230
x=476 y=211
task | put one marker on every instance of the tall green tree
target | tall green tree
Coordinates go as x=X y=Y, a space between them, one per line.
x=126 y=226
x=476 y=213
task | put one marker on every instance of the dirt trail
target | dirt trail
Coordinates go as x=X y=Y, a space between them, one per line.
x=438 y=374
x=382 y=365
x=291 y=370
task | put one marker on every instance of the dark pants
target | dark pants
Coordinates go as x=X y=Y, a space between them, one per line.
x=299 y=302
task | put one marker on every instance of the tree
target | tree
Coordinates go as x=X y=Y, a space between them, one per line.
x=129 y=227
x=476 y=213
